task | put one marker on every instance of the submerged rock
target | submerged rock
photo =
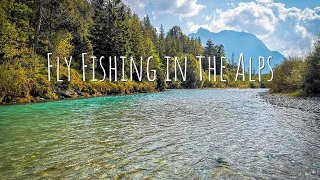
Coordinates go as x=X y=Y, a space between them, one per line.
x=221 y=161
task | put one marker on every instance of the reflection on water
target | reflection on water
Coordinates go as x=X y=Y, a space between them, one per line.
x=178 y=134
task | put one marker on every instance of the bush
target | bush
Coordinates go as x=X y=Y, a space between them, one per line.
x=288 y=76
x=39 y=85
x=13 y=82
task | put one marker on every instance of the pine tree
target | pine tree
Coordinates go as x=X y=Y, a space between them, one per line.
x=232 y=63
x=161 y=43
x=209 y=51
x=149 y=31
x=219 y=53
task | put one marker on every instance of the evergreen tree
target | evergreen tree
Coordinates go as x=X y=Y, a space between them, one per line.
x=220 y=53
x=193 y=72
x=232 y=64
x=149 y=31
x=161 y=43
x=209 y=51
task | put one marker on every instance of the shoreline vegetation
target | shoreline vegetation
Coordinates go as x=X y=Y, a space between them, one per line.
x=29 y=30
x=299 y=77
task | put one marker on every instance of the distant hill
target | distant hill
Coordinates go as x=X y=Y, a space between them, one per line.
x=240 y=42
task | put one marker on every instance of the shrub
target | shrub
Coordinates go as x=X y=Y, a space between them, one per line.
x=288 y=76
x=13 y=82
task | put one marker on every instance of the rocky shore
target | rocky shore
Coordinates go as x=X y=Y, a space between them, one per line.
x=310 y=104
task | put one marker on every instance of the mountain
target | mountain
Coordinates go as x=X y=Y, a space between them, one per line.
x=241 y=42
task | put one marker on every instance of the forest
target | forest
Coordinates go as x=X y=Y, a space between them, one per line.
x=30 y=29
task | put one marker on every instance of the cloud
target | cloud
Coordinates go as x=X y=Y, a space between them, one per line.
x=180 y=8
x=311 y=20
x=231 y=4
x=194 y=27
x=136 y=6
x=157 y=29
x=248 y=17
x=207 y=18
x=296 y=29
x=264 y=1
x=287 y=30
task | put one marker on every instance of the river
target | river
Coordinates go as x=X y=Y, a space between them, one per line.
x=177 y=134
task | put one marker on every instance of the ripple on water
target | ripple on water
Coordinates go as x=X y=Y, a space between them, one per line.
x=178 y=134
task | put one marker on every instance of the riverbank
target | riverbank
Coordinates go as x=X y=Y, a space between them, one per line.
x=87 y=90
x=310 y=104
x=71 y=93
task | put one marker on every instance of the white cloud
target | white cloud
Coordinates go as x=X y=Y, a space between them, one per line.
x=311 y=20
x=287 y=30
x=157 y=29
x=194 y=27
x=248 y=17
x=136 y=6
x=264 y=1
x=231 y=4
x=180 y=8
x=207 y=18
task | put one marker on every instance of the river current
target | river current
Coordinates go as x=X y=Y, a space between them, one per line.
x=177 y=134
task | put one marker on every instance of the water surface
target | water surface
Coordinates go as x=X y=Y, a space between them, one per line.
x=178 y=134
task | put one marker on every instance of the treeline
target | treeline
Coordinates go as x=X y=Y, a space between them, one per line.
x=29 y=29
x=298 y=76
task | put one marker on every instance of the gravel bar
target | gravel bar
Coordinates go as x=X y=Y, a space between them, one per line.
x=310 y=104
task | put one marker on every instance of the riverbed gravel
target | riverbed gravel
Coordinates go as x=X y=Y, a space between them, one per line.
x=310 y=104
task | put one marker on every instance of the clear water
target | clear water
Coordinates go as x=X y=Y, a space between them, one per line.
x=178 y=134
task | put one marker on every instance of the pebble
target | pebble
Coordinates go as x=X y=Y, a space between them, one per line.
x=310 y=104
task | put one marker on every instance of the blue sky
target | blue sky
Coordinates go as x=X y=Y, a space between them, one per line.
x=287 y=26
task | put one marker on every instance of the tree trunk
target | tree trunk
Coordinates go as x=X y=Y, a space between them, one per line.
x=38 y=26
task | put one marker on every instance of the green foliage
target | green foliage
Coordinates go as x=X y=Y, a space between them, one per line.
x=193 y=73
x=176 y=42
x=297 y=77
x=61 y=44
x=212 y=51
x=288 y=76
x=312 y=75
x=13 y=82
x=14 y=30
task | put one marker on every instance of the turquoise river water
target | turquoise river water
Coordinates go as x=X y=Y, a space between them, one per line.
x=177 y=134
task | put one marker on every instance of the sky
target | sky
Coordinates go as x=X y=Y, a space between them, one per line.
x=287 y=26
